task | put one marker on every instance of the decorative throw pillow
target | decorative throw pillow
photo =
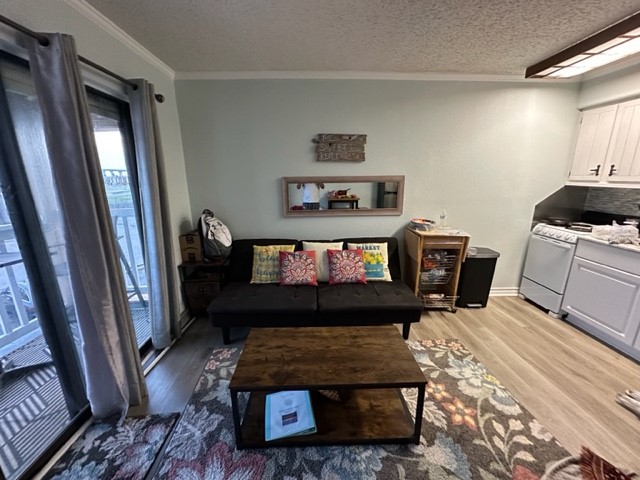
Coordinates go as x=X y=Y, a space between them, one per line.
x=346 y=266
x=266 y=263
x=322 y=261
x=376 y=260
x=298 y=268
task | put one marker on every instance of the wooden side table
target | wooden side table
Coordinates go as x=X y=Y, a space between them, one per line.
x=201 y=282
x=351 y=201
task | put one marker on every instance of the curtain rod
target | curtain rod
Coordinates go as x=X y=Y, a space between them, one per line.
x=44 y=41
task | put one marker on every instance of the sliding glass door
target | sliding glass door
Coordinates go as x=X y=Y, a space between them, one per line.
x=41 y=385
x=111 y=126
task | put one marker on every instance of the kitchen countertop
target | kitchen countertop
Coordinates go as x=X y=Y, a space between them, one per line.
x=624 y=246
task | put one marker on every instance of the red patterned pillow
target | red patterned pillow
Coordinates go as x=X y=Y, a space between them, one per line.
x=346 y=266
x=298 y=268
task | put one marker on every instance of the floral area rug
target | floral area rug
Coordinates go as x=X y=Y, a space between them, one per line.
x=472 y=428
x=108 y=451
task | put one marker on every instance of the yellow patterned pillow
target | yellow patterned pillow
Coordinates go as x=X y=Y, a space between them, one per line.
x=266 y=262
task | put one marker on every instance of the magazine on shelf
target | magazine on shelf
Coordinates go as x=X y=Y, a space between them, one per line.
x=288 y=413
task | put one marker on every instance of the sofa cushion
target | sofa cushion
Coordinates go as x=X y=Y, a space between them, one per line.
x=376 y=260
x=392 y=251
x=346 y=266
x=322 y=261
x=371 y=303
x=241 y=302
x=298 y=268
x=266 y=262
x=241 y=258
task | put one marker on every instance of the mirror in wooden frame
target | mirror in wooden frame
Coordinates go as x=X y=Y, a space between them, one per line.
x=342 y=196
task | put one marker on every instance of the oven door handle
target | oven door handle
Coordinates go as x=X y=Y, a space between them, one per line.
x=559 y=243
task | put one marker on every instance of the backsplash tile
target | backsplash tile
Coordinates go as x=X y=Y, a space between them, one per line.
x=598 y=205
x=620 y=201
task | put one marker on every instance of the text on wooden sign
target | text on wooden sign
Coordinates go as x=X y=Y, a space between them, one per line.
x=340 y=147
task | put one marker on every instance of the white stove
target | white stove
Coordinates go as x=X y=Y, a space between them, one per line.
x=546 y=268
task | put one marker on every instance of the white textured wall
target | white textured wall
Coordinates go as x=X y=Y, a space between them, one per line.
x=485 y=151
x=102 y=47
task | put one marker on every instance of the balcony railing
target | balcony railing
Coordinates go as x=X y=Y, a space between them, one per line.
x=17 y=315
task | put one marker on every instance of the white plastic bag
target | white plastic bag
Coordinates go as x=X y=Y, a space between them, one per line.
x=616 y=233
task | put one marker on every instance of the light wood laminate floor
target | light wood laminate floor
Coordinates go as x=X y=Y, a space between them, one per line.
x=565 y=378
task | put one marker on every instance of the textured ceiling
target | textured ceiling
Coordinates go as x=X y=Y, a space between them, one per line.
x=496 y=37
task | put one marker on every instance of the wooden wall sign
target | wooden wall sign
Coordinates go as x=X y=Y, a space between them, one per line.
x=340 y=147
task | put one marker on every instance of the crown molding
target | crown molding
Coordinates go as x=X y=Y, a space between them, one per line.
x=348 y=75
x=111 y=28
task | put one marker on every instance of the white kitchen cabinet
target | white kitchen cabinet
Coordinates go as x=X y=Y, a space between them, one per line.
x=623 y=158
x=594 y=137
x=607 y=150
x=603 y=294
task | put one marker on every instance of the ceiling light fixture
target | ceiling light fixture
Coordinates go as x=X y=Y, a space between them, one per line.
x=609 y=45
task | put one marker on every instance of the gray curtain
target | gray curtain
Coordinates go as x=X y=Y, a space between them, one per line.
x=112 y=363
x=158 y=241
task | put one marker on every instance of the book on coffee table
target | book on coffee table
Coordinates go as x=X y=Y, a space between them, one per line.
x=288 y=413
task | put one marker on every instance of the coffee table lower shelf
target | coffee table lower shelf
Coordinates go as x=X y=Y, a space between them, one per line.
x=367 y=416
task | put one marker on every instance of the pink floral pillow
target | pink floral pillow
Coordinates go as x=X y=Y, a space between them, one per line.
x=346 y=266
x=298 y=268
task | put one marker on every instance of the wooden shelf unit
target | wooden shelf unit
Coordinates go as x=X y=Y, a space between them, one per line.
x=432 y=264
x=369 y=416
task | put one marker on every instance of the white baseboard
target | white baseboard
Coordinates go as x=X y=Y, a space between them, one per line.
x=504 y=292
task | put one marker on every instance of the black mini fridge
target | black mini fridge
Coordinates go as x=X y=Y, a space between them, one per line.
x=476 y=276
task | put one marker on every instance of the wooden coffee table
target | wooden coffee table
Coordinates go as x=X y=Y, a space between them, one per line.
x=371 y=364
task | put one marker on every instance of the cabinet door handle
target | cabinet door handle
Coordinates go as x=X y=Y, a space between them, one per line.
x=596 y=171
x=612 y=170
